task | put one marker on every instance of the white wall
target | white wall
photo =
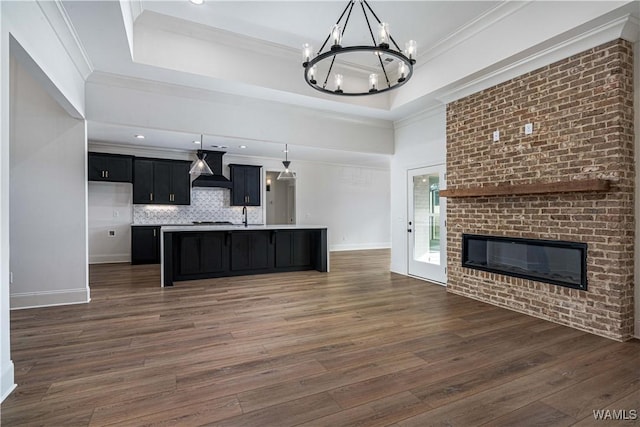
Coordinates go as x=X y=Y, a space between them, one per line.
x=352 y=201
x=6 y=364
x=48 y=198
x=420 y=141
x=109 y=209
x=27 y=33
x=128 y=102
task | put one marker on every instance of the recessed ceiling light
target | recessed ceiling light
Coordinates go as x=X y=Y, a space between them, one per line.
x=196 y=142
x=243 y=146
x=139 y=136
x=198 y=2
x=285 y=151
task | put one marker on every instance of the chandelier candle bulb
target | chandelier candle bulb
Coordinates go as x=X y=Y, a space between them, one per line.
x=402 y=71
x=373 y=82
x=336 y=36
x=383 y=29
x=411 y=50
x=307 y=51
x=338 y=80
x=312 y=75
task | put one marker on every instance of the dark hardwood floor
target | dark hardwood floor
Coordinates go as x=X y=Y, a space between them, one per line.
x=355 y=347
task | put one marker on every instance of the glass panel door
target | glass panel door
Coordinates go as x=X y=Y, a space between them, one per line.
x=426 y=232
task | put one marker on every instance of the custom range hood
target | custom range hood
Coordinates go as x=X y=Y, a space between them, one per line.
x=214 y=160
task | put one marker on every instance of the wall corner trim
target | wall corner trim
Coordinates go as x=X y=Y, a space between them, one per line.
x=61 y=24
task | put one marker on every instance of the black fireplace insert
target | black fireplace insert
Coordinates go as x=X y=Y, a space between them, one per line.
x=551 y=261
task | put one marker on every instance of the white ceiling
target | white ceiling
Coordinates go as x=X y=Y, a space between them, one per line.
x=251 y=49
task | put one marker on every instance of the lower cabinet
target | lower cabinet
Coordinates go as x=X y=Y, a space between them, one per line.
x=145 y=245
x=202 y=253
x=251 y=250
x=294 y=248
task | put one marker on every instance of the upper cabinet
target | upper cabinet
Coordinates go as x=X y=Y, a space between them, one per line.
x=245 y=188
x=159 y=181
x=110 y=167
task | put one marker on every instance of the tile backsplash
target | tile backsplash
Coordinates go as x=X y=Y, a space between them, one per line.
x=207 y=204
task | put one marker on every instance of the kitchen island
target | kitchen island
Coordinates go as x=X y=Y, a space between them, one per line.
x=192 y=252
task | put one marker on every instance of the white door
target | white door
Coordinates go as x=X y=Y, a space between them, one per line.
x=426 y=224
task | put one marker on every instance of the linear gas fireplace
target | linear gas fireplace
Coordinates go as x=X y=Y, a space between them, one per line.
x=557 y=262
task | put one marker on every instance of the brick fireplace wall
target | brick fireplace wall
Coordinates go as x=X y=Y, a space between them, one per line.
x=582 y=112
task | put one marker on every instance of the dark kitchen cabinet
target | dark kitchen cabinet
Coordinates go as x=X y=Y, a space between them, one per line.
x=245 y=185
x=294 y=248
x=203 y=253
x=145 y=245
x=251 y=250
x=110 y=167
x=157 y=181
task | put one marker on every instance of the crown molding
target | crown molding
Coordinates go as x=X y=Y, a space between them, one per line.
x=419 y=116
x=115 y=148
x=161 y=22
x=469 y=30
x=544 y=54
x=60 y=22
x=136 y=8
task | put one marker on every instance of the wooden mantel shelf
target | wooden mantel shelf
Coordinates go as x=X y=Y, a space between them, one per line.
x=583 y=185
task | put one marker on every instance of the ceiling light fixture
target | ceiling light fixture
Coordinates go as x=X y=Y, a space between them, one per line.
x=138 y=136
x=319 y=68
x=198 y=2
x=200 y=166
x=286 y=174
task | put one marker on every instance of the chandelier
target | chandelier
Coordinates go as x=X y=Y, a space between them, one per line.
x=377 y=59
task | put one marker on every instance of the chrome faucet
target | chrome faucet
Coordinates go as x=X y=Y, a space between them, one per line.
x=244 y=212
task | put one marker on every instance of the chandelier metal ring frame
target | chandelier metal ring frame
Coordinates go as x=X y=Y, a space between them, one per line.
x=407 y=59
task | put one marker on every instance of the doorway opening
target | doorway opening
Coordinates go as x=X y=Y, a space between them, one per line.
x=426 y=225
x=280 y=197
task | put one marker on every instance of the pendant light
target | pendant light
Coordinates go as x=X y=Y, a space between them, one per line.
x=200 y=166
x=286 y=174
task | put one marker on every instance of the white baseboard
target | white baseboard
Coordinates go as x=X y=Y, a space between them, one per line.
x=49 y=298
x=6 y=381
x=109 y=259
x=359 y=246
